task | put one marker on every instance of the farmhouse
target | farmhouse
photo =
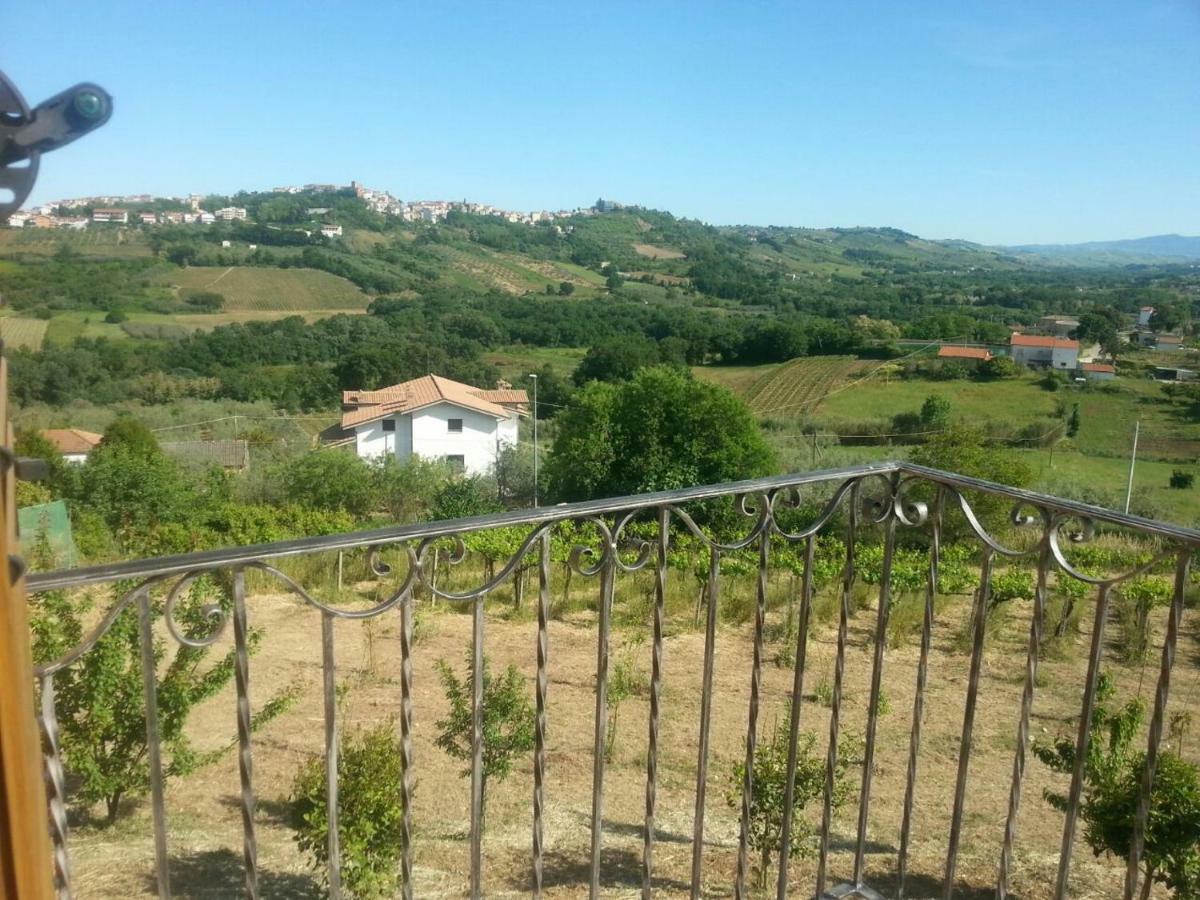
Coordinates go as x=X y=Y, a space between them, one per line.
x=1038 y=351
x=1094 y=371
x=73 y=443
x=435 y=418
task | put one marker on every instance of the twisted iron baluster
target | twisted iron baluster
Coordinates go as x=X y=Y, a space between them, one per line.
x=1081 y=742
x=1031 y=667
x=760 y=615
x=660 y=587
x=329 y=684
x=543 y=683
x=245 y=767
x=1161 y=693
x=607 y=576
x=983 y=599
x=406 y=741
x=839 y=672
x=710 y=637
x=789 y=790
x=55 y=789
x=477 y=749
x=914 y=747
x=881 y=623
x=153 y=743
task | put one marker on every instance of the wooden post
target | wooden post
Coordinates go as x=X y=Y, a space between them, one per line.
x=24 y=833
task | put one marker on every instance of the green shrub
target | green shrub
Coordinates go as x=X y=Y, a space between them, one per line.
x=507 y=719
x=1112 y=788
x=370 y=812
x=1012 y=584
x=770 y=785
x=1181 y=480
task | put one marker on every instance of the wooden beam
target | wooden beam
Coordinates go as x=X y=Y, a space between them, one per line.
x=25 y=860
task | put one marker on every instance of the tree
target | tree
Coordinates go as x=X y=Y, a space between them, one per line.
x=1073 y=421
x=554 y=392
x=463 y=496
x=935 y=412
x=407 y=490
x=565 y=288
x=101 y=716
x=614 y=280
x=328 y=480
x=963 y=450
x=770 y=786
x=507 y=719
x=663 y=429
x=615 y=360
x=129 y=481
x=370 y=811
x=1098 y=327
x=997 y=367
x=1112 y=782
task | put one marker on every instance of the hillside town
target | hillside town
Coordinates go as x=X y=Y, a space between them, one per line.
x=77 y=213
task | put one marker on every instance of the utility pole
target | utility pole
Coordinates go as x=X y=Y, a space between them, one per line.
x=534 y=379
x=1132 y=460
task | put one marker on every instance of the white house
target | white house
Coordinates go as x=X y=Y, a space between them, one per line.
x=1144 y=315
x=435 y=418
x=1045 y=352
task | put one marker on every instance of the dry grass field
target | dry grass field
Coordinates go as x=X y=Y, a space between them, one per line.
x=268 y=289
x=653 y=252
x=205 y=831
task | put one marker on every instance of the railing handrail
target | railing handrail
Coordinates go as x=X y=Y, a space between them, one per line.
x=181 y=563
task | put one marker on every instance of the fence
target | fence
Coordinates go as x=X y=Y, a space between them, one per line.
x=894 y=501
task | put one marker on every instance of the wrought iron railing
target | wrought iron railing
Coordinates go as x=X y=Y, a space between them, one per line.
x=893 y=501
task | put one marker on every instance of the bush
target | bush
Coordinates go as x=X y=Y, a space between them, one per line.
x=770 y=785
x=1181 y=480
x=1012 y=584
x=998 y=367
x=370 y=811
x=1112 y=788
x=115 y=316
x=507 y=719
x=328 y=480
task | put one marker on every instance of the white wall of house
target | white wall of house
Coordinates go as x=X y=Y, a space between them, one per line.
x=426 y=432
x=1054 y=357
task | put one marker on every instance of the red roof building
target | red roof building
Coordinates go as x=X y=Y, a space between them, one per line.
x=978 y=354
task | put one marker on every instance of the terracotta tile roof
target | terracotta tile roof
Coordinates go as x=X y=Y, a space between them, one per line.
x=504 y=396
x=1099 y=367
x=424 y=391
x=949 y=352
x=72 y=440
x=1037 y=340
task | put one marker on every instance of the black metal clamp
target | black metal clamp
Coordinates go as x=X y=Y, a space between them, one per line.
x=25 y=134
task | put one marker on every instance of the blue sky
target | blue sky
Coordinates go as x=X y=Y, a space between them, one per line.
x=997 y=122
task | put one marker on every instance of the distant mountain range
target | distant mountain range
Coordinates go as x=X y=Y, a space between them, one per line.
x=1159 y=248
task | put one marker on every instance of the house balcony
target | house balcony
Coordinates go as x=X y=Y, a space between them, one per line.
x=897 y=639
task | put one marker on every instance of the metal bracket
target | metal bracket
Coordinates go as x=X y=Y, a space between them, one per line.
x=25 y=134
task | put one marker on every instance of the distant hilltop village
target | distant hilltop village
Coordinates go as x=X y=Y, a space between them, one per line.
x=146 y=209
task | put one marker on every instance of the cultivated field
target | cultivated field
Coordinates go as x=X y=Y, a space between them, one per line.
x=653 y=252
x=94 y=242
x=257 y=289
x=800 y=386
x=202 y=810
x=26 y=333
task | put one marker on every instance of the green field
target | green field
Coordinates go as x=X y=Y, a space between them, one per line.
x=104 y=242
x=1092 y=465
x=27 y=333
x=264 y=289
x=516 y=362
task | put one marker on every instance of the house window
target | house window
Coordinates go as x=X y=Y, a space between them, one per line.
x=457 y=462
x=454 y=426
x=389 y=424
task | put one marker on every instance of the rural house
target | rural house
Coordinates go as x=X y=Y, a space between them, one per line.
x=971 y=356
x=435 y=418
x=73 y=443
x=1038 y=351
